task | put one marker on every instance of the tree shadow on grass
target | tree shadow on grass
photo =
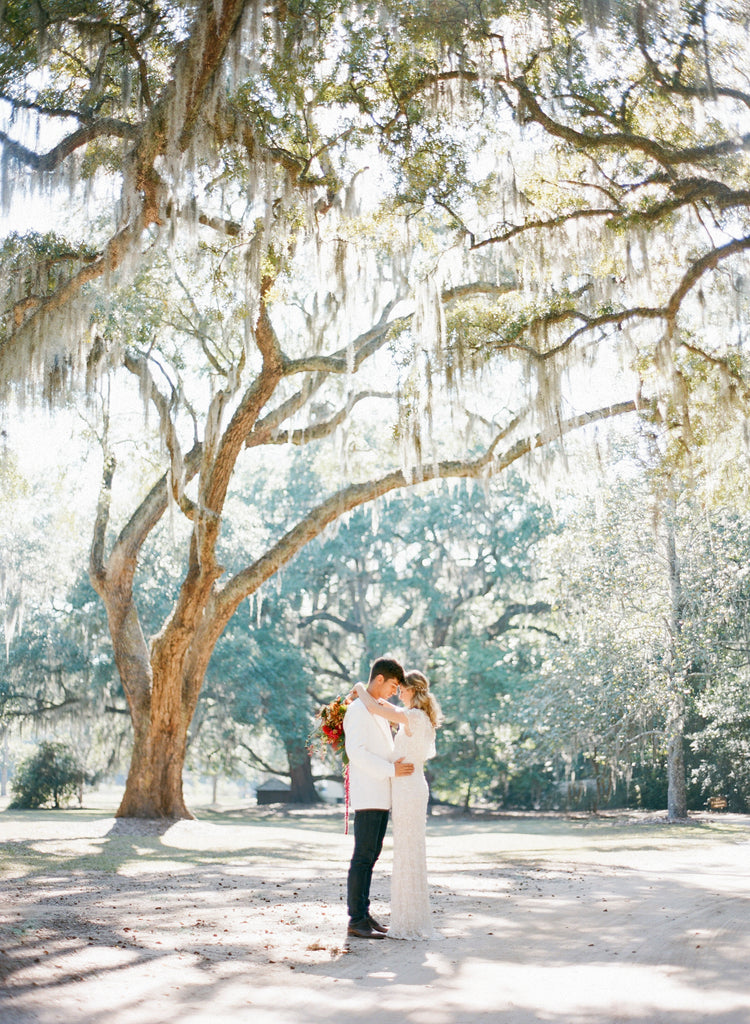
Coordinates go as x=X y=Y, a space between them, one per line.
x=255 y=930
x=111 y=845
x=633 y=945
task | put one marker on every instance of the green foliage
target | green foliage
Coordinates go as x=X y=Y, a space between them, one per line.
x=521 y=131
x=17 y=251
x=90 y=47
x=476 y=681
x=526 y=787
x=399 y=578
x=53 y=774
x=634 y=640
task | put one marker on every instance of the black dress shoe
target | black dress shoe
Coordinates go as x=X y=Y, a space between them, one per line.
x=375 y=925
x=362 y=930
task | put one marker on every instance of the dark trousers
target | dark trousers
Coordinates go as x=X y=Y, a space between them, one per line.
x=369 y=832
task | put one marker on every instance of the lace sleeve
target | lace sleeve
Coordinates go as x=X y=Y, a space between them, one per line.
x=423 y=735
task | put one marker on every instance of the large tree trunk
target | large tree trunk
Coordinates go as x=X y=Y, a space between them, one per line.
x=160 y=725
x=160 y=703
x=154 y=786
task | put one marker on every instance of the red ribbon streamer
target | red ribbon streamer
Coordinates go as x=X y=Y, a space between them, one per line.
x=346 y=791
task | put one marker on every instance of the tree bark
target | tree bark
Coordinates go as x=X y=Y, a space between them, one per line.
x=154 y=785
x=300 y=774
x=676 y=783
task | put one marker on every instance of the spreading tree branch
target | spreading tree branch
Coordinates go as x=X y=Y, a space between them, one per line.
x=665 y=155
x=504 y=623
x=227 y=598
x=346 y=624
x=108 y=127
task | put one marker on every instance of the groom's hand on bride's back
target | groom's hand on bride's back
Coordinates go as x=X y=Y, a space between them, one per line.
x=403 y=767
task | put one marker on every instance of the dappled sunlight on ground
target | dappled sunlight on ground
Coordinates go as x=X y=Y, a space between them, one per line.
x=241 y=917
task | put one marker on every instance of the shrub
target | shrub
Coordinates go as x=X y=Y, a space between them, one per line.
x=50 y=774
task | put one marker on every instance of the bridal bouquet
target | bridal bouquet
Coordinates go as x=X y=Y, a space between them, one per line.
x=330 y=731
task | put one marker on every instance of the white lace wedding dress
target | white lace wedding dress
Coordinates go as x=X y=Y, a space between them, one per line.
x=410 y=902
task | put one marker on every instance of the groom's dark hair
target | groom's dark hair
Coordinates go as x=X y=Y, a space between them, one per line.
x=387 y=667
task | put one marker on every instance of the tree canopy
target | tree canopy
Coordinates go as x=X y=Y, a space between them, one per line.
x=598 y=152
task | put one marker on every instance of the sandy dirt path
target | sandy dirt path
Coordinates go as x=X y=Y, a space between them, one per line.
x=241 y=918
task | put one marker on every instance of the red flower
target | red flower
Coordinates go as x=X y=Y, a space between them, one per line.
x=329 y=734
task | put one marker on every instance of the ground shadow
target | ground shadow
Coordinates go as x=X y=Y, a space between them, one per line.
x=123 y=898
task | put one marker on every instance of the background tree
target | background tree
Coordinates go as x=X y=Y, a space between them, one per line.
x=600 y=703
x=52 y=773
x=645 y=586
x=398 y=576
x=718 y=730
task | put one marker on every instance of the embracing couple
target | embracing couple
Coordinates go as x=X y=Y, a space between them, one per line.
x=385 y=773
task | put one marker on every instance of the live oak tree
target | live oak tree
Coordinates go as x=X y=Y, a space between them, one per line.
x=461 y=604
x=385 y=201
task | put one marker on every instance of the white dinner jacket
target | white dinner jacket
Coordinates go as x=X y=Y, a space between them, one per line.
x=369 y=746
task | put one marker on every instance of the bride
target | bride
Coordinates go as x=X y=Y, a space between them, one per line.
x=415 y=741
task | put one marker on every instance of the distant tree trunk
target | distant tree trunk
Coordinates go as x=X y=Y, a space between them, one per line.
x=467 y=800
x=4 y=768
x=300 y=775
x=676 y=784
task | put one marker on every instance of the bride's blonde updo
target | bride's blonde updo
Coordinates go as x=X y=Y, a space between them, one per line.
x=423 y=699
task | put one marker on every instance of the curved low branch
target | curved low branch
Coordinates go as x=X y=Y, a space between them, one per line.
x=667 y=156
x=503 y=624
x=222 y=225
x=110 y=127
x=352 y=356
x=226 y=599
x=263 y=431
x=151 y=509
x=701 y=266
x=96 y=555
x=548 y=224
x=684 y=193
x=258 y=762
x=349 y=359
x=325 y=428
x=138 y=365
x=668 y=312
x=346 y=624
x=23 y=103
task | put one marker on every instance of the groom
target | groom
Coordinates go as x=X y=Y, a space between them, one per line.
x=369 y=746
